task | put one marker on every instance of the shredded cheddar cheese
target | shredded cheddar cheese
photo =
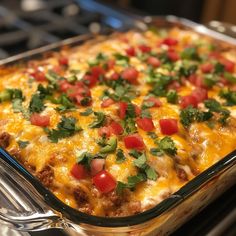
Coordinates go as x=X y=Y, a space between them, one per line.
x=116 y=125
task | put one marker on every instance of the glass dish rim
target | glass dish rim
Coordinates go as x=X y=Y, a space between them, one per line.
x=79 y=217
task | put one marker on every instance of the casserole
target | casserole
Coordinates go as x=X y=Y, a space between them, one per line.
x=143 y=223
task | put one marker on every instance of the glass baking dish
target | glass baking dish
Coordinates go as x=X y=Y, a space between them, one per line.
x=26 y=205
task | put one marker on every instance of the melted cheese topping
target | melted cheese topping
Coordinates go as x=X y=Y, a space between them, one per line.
x=198 y=147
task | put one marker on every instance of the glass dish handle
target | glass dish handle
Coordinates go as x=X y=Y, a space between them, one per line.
x=21 y=206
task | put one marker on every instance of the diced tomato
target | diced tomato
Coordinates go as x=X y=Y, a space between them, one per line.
x=224 y=81
x=64 y=85
x=197 y=81
x=174 y=85
x=188 y=100
x=200 y=94
x=229 y=65
x=58 y=70
x=144 y=48
x=134 y=141
x=110 y=64
x=96 y=166
x=81 y=91
x=215 y=55
x=156 y=102
x=207 y=67
x=137 y=110
x=122 y=109
x=168 y=126
x=90 y=80
x=96 y=71
x=39 y=76
x=39 y=120
x=104 y=131
x=130 y=51
x=116 y=128
x=83 y=101
x=173 y=56
x=170 y=41
x=63 y=61
x=104 y=181
x=130 y=74
x=153 y=61
x=107 y=102
x=78 y=171
x=114 y=76
x=145 y=124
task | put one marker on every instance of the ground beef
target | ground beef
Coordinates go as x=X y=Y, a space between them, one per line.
x=182 y=175
x=82 y=201
x=46 y=176
x=4 y=139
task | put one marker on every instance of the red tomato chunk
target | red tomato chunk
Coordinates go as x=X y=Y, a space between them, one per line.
x=145 y=124
x=78 y=171
x=40 y=120
x=134 y=141
x=168 y=126
x=104 y=181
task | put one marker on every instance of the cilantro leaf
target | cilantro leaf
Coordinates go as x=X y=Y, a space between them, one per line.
x=65 y=128
x=172 y=96
x=190 y=115
x=36 y=104
x=110 y=146
x=151 y=173
x=84 y=158
x=168 y=146
x=99 y=121
x=190 y=53
x=120 y=157
x=87 y=112
x=229 y=96
x=23 y=144
x=65 y=103
x=141 y=161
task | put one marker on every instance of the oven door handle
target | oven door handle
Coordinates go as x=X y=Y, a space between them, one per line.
x=21 y=206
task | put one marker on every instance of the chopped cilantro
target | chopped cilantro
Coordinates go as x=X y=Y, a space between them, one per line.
x=65 y=103
x=156 y=152
x=187 y=70
x=210 y=80
x=65 y=128
x=121 y=59
x=99 y=121
x=140 y=162
x=151 y=173
x=134 y=153
x=53 y=77
x=190 y=115
x=87 y=112
x=219 y=68
x=168 y=146
x=23 y=144
x=230 y=77
x=44 y=91
x=120 y=157
x=229 y=96
x=84 y=158
x=110 y=146
x=152 y=135
x=36 y=104
x=129 y=126
x=172 y=96
x=215 y=106
x=190 y=53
